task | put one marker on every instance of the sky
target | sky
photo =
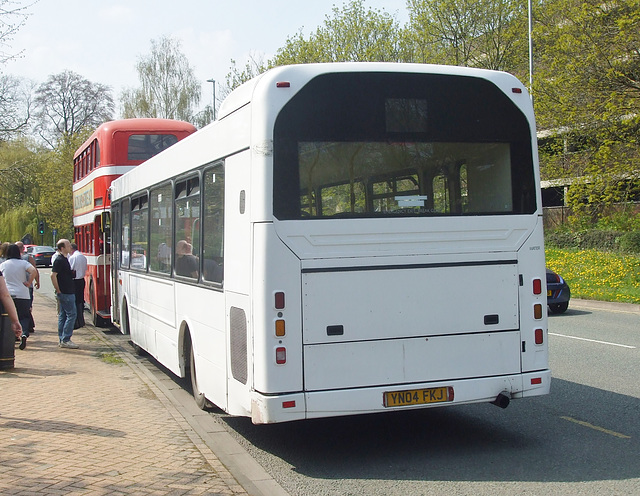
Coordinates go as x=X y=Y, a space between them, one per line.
x=103 y=41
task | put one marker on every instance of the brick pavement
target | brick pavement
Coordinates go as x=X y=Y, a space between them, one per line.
x=86 y=422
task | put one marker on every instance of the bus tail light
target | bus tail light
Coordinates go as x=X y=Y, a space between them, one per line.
x=537 y=311
x=281 y=355
x=539 y=336
x=536 y=380
x=279 y=300
x=537 y=286
x=280 y=328
x=289 y=404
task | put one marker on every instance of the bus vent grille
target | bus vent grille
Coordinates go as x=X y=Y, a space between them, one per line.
x=238 y=345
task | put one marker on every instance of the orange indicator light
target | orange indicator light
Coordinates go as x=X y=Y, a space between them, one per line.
x=537 y=311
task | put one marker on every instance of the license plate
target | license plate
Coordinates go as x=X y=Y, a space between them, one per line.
x=549 y=292
x=418 y=396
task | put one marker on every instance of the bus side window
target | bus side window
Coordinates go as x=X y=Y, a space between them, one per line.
x=213 y=225
x=187 y=205
x=161 y=229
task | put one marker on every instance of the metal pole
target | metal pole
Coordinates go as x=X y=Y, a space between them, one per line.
x=213 y=105
x=530 y=50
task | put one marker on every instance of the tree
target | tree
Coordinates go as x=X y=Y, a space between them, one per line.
x=67 y=103
x=489 y=34
x=236 y=76
x=169 y=88
x=15 y=106
x=55 y=177
x=12 y=18
x=19 y=160
x=353 y=34
x=20 y=163
x=588 y=96
x=589 y=67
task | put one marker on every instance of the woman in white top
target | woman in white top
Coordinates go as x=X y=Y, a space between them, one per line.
x=19 y=275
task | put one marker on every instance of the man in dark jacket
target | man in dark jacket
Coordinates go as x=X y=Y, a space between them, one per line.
x=62 y=278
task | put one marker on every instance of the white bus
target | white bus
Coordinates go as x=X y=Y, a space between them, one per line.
x=345 y=239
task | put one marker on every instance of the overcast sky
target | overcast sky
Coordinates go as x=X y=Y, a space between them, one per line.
x=102 y=41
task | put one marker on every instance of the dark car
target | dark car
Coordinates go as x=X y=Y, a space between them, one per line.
x=558 y=293
x=42 y=255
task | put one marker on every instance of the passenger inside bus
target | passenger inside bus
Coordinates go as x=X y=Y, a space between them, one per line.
x=212 y=271
x=186 y=261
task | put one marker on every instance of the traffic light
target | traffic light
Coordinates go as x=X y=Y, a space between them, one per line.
x=41 y=227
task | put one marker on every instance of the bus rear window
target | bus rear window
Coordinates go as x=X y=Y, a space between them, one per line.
x=145 y=146
x=343 y=179
x=405 y=145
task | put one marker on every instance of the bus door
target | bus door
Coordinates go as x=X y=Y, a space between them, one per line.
x=115 y=262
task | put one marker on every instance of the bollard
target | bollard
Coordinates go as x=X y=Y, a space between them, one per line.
x=7 y=341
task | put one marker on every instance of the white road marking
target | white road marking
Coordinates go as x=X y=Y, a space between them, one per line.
x=593 y=341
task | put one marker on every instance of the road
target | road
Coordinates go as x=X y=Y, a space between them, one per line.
x=584 y=438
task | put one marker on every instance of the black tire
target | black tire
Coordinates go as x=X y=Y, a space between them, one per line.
x=198 y=396
x=559 y=307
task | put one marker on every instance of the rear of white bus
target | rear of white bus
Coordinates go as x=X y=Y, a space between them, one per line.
x=402 y=264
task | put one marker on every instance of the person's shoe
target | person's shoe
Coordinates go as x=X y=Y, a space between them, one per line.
x=69 y=344
x=23 y=342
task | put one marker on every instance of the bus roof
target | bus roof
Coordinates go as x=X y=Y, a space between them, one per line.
x=140 y=125
x=304 y=72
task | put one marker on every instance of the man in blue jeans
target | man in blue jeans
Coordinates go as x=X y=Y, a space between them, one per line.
x=62 y=278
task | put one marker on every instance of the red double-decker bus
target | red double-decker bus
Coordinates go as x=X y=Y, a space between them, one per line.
x=113 y=149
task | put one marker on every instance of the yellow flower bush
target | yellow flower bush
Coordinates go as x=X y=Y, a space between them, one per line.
x=597 y=275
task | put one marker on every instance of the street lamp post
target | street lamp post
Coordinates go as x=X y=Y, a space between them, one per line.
x=213 y=105
x=530 y=50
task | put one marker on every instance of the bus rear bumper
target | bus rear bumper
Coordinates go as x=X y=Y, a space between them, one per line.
x=357 y=401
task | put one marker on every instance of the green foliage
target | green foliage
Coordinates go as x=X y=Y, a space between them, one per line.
x=621 y=220
x=17 y=222
x=475 y=33
x=604 y=240
x=56 y=178
x=588 y=93
x=19 y=161
x=630 y=242
x=353 y=34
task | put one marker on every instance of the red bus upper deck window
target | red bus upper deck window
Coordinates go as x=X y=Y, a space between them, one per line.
x=145 y=146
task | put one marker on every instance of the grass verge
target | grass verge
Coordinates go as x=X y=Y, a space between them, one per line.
x=597 y=275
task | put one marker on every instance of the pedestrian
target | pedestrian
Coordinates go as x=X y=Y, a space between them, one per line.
x=9 y=307
x=62 y=279
x=3 y=251
x=78 y=263
x=19 y=275
x=29 y=258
